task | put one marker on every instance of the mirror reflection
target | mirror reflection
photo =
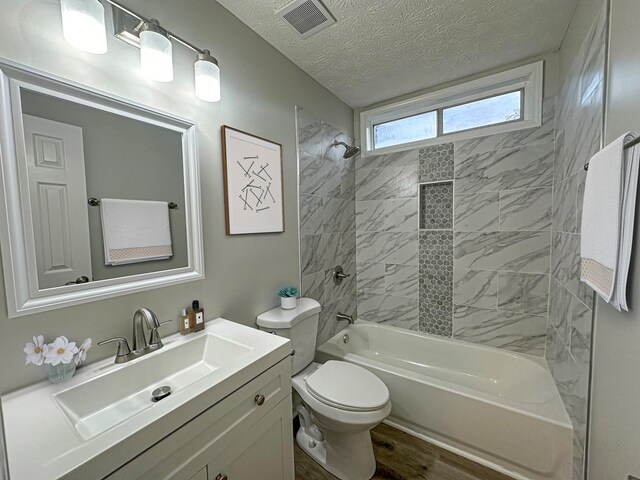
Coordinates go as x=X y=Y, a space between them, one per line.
x=132 y=168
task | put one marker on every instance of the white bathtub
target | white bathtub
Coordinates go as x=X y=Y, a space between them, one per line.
x=498 y=408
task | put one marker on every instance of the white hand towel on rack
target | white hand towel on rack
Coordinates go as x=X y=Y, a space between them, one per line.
x=135 y=231
x=607 y=220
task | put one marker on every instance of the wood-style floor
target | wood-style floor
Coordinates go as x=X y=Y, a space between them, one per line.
x=400 y=456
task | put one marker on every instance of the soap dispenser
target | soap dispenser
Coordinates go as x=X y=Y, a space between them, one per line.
x=196 y=317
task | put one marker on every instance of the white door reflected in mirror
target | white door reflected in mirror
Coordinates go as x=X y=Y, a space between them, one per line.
x=57 y=187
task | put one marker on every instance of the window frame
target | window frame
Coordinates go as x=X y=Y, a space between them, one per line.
x=528 y=78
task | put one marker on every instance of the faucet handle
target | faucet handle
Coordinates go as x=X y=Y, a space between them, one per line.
x=123 y=347
x=154 y=337
x=344 y=316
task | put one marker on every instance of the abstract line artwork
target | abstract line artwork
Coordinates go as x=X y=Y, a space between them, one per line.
x=253 y=183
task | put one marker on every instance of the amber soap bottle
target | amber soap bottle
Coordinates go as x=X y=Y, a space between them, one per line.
x=196 y=317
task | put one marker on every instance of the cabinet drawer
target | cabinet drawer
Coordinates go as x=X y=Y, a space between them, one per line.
x=182 y=454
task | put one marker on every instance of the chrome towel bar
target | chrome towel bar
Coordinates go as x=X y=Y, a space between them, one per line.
x=94 y=202
x=628 y=144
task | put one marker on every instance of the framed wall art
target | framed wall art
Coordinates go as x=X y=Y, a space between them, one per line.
x=254 y=199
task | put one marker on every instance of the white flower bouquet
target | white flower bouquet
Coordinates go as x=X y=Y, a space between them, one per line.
x=61 y=356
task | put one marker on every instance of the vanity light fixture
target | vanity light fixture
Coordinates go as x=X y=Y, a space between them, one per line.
x=83 y=25
x=156 y=52
x=207 y=75
x=84 y=28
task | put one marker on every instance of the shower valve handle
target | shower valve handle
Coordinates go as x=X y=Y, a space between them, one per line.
x=339 y=275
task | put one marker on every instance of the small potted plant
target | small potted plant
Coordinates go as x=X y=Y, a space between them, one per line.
x=288 y=298
x=60 y=356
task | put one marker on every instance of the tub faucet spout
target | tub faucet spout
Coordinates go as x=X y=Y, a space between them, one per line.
x=344 y=316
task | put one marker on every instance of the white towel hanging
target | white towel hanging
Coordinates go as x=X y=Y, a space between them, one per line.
x=135 y=231
x=608 y=218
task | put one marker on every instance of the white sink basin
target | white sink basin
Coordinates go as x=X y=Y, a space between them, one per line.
x=103 y=402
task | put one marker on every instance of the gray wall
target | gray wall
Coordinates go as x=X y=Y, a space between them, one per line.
x=474 y=265
x=578 y=137
x=614 y=440
x=260 y=89
x=4 y=468
x=123 y=158
x=327 y=220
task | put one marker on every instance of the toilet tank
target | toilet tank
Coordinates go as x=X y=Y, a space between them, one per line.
x=300 y=325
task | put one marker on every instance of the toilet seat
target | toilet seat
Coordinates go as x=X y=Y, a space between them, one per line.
x=347 y=386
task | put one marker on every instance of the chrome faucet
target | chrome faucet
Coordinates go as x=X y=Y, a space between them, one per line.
x=144 y=317
x=344 y=316
x=141 y=319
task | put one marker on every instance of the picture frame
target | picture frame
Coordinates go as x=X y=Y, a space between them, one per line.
x=253 y=183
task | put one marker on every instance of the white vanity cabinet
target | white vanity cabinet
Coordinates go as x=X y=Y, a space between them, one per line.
x=247 y=435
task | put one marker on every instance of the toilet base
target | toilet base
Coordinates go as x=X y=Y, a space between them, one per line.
x=348 y=456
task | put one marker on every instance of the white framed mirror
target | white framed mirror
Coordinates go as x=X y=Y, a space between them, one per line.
x=99 y=196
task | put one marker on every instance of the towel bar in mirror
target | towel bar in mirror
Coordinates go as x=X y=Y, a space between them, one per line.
x=94 y=202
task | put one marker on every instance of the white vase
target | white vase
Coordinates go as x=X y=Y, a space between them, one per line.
x=288 y=303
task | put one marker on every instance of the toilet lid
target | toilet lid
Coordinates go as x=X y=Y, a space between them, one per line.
x=347 y=386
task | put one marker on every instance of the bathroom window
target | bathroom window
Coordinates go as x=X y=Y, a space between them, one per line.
x=503 y=108
x=503 y=102
x=406 y=130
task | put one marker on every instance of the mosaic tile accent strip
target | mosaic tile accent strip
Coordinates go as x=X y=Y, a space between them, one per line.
x=436 y=163
x=436 y=282
x=436 y=206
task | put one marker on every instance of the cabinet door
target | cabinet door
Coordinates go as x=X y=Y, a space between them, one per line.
x=201 y=475
x=183 y=453
x=265 y=452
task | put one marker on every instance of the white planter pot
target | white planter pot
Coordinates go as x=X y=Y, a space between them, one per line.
x=288 y=303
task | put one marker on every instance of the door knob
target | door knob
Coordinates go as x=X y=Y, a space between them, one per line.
x=221 y=476
x=79 y=280
x=259 y=399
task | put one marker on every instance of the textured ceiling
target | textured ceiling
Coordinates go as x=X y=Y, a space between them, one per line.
x=380 y=49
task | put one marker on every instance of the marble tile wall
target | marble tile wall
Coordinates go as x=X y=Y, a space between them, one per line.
x=579 y=135
x=467 y=227
x=502 y=236
x=387 y=220
x=327 y=220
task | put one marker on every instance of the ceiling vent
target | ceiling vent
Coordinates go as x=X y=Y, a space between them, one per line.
x=308 y=17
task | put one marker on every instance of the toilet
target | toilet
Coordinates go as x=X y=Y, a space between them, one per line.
x=337 y=402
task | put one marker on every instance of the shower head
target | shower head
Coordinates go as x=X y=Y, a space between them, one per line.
x=349 y=150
